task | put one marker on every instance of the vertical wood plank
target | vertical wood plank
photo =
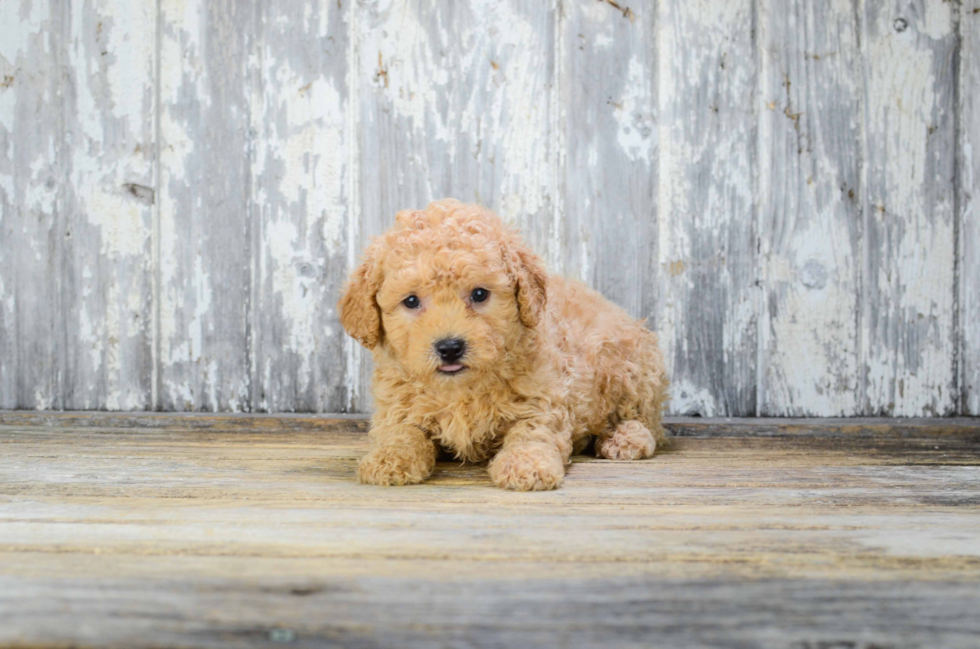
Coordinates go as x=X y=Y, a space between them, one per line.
x=909 y=48
x=968 y=149
x=107 y=280
x=609 y=94
x=32 y=199
x=299 y=202
x=810 y=207
x=457 y=99
x=707 y=243
x=204 y=230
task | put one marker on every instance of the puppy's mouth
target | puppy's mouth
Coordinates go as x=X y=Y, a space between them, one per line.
x=455 y=368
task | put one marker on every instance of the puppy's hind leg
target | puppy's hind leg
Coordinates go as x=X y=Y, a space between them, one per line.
x=629 y=440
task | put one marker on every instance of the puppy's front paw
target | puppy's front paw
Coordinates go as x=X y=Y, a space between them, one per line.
x=631 y=440
x=395 y=466
x=527 y=467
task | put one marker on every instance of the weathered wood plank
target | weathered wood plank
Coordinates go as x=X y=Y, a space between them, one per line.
x=32 y=204
x=107 y=279
x=708 y=314
x=908 y=50
x=967 y=428
x=300 y=206
x=182 y=421
x=367 y=612
x=810 y=208
x=610 y=122
x=209 y=537
x=457 y=99
x=204 y=213
x=968 y=149
x=118 y=492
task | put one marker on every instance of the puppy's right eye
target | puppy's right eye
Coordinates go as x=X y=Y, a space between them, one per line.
x=412 y=302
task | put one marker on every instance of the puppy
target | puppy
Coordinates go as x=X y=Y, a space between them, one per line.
x=478 y=351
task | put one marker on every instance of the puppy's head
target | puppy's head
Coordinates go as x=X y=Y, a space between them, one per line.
x=448 y=291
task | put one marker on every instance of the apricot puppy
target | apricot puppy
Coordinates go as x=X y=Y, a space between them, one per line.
x=479 y=352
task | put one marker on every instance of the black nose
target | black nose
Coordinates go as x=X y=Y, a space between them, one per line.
x=451 y=349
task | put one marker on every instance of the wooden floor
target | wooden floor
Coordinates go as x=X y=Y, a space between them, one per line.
x=212 y=531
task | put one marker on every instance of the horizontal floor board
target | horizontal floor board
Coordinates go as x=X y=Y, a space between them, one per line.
x=968 y=427
x=224 y=531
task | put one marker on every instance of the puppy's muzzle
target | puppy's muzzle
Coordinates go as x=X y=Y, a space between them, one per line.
x=450 y=350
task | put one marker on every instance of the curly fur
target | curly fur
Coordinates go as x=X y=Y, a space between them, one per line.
x=549 y=362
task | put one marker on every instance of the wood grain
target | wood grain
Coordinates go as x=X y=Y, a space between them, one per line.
x=32 y=204
x=214 y=531
x=968 y=176
x=288 y=608
x=205 y=216
x=610 y=123
x=966 y=428
x=810 y=225
x=908 y=50
x=107 y=279
x=299 y=193
x=707 y=164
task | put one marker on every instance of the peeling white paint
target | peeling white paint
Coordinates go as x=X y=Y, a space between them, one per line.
x=686 y=398
x=938 y=20
x=409 y=68
x=202 y=308
x=18 y=28
x=912 y=219
x=808 y=330
x=299 y=115
x=111 y=64
x=705 y=197
x=356 y=369
x=177 y=146
x=7 y=187
x=477 y=101
x=299 y=310
x=521 y=114
x=42 y=192
x=637 y=134
x=969 y=230
x=43 y=400
x=121 y=219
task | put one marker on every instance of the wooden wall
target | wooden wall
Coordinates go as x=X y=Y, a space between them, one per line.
x=788 y=189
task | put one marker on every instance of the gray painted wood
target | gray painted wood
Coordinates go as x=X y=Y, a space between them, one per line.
x=299 y=202
x=107 y=278
x=32 y=204
x=810 y=211
x=610 y=129
x=968 y=184
x=706 y=189
x=184 y=188
x=205 y=215
x=909 y=353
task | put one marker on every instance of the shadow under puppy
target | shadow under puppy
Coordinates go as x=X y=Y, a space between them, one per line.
x=479 y=351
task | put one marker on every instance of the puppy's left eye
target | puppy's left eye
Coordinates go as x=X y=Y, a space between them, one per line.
x=479 y=294
x=412 y=302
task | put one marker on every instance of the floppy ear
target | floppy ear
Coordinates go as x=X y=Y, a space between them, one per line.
x=532 y=286
x=359 y=312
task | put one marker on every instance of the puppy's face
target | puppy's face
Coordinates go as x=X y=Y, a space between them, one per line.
x=448 y=292
x=449 y=313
